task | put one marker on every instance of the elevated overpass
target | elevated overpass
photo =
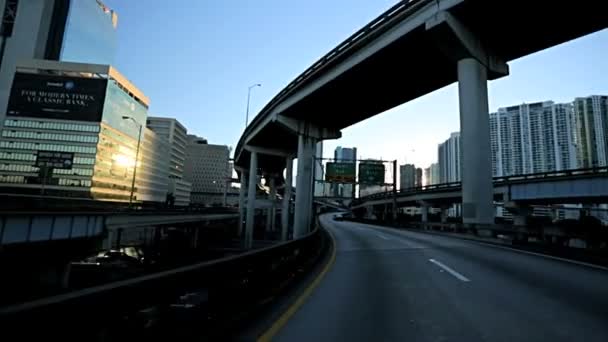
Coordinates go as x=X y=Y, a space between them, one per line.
x=515 y=192
x=421 y=45
x=559 y=187
x=39 y=226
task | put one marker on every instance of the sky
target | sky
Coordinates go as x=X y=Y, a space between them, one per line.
x=195 y=60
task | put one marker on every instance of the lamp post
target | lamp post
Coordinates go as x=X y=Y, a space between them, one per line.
x=248 y=98
x=136 y=157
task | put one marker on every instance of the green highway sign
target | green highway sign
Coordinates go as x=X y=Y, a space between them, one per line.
x=340 y=172
x=371 y=173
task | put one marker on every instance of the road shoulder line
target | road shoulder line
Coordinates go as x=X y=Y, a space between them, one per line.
x=301 y=299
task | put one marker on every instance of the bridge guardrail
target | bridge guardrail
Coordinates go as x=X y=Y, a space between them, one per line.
x=228 y=285
x=542 y=176
x=379 y=25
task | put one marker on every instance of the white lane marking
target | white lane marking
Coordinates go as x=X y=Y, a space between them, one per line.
x=450 y=271
x=382 y=236
x=581 y=263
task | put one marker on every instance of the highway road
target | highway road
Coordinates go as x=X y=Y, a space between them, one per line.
x=389 y=285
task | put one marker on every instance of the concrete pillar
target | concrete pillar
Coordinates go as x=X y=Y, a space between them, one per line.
x=444 y=214
x=304 y=186
x=118 y=238
x=286 y=199
x=477 y=187
x=273 y=196
x=369 y=212
x=520 y=215
x=242 y=192
x=196 y=237
x=424 y=212
x=251 y=191
x=107 y=243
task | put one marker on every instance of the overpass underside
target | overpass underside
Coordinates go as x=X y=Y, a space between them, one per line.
x=418 y=48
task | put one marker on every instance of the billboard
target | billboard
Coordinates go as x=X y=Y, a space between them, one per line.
x=371 y=173
x=340 y=172
x=57 y=97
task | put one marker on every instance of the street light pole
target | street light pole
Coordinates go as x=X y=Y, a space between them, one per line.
x=136 y=158
x=248 y=98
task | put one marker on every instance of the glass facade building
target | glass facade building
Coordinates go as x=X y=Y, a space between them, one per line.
x=90 y=33
x=82 y=31
x=104 y=148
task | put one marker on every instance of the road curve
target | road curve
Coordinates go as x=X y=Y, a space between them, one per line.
x=389 y=285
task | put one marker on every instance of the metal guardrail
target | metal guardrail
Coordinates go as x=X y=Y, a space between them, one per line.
x=229 y=285
x=382 y=23
x=502 y=180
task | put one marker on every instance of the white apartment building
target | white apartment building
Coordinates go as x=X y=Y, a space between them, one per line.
x=450 y=159
x=532 y=138
x=591 y=115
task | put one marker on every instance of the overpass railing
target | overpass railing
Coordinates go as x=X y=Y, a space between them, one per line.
x=501 y=180
x=381 y=24
x=216 y=291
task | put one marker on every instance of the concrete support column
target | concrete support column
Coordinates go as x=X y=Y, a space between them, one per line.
x=520 y=215
x=242 y=193
x=196 y=237
x=273 y=195
x=424 y=212
x=251 y=191
x=304 y=186
x=369 y=212
x=286 y=199
x=477 y=187
x=444 y=214
x=118 y=237
x=107 y=243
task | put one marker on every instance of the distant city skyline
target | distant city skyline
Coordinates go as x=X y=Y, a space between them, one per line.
x=205 y=85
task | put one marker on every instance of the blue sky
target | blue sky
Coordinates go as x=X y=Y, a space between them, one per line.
x=196 y=60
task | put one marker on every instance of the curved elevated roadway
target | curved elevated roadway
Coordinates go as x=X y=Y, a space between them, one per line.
x=389 y=285
x=420 y=46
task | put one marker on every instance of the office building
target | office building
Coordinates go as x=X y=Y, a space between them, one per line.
x=319 y=172
x=591 y=117
x=449 y=159
x=344 y=155
x=532 y=138
x=81 y=31
x=427 y=176
x=418 y=178
x=407 y=174
x=93 y=115
x=175 y=136
x=152 y=181
x=207 y=168
x=434 y=174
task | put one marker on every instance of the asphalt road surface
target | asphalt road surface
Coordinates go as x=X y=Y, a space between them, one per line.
x=389 y=285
